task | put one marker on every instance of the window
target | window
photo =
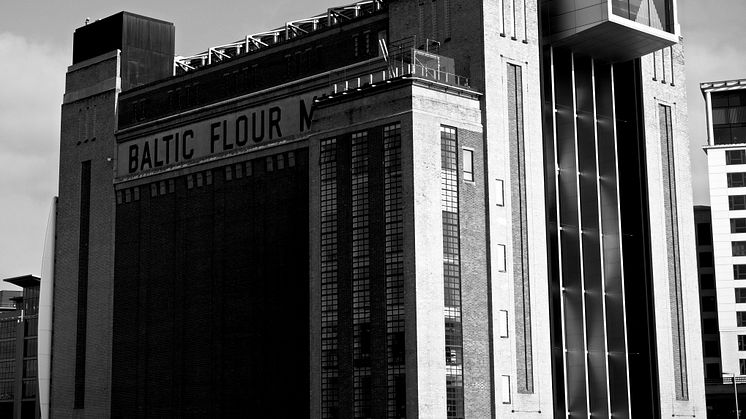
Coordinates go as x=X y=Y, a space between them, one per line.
x=742 y=342
x=704 y=234
x=712 y=349
x=280 y=162
x=738 y=225
x=739 y=248
x=710 y=326
x=503 y=326
x=705 y=260
x=712 y=370
x=711 y=303
x=737 y=202
x=729 y=117
x=501 y=265
x=741 y=318
x=707 y=281
x=739 y=271
x=740 y=295
x=500 y=198
x=469 y=165
x=270 y=164
x=742 y=366
x=735 y=157
x=505 y=389
x=736 y=180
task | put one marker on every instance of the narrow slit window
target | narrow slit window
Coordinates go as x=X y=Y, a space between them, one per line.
x=501 y=265
x=503 y=324
x=468 y=165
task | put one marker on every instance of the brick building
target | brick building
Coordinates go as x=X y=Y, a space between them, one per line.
x=392 y=209
x=18 y=350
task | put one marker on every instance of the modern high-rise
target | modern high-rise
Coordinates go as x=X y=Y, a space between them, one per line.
x=393 y=209
x=725 y=103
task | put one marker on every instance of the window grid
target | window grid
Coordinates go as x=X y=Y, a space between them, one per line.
x=360 y=276
x=329 y=281
x=394 y=271
x=452 y=273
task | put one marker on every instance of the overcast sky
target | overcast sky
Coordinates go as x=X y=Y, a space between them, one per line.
x=36 y=48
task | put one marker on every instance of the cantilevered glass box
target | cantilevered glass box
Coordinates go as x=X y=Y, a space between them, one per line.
x=617 y=30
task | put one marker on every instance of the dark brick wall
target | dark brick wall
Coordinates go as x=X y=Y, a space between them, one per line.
x=211 y=295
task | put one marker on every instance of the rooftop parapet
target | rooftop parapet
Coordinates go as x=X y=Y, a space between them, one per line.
x=291 y=30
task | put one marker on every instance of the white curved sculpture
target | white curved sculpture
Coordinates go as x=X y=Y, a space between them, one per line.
x=45 y=312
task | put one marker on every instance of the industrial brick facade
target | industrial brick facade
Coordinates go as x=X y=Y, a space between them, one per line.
x=395 y=209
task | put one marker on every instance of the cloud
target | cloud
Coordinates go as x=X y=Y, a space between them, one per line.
x=714 y=51
x=32 y=77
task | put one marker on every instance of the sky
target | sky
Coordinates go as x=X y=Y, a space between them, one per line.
x=36 y=48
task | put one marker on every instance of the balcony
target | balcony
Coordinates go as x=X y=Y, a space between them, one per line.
x=613 y=30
